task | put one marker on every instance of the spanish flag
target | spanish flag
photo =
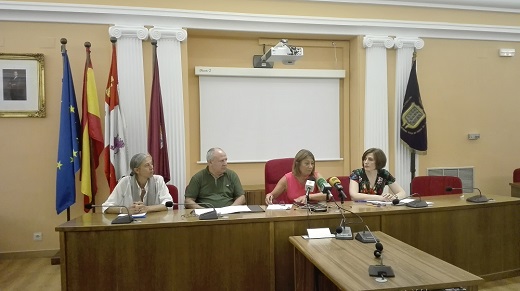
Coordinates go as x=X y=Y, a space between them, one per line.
x=92 y=136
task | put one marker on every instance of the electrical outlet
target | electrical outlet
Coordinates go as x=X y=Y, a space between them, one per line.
x=37 y=236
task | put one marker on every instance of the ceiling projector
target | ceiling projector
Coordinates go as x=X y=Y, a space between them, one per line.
x=281 y=52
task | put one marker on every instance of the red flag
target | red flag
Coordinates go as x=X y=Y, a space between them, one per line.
x=116 y=154
x=157 y=146
x=92 y=136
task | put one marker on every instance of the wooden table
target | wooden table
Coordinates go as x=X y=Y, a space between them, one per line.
x=252 y=251
x=515 y=189
x=345 y=265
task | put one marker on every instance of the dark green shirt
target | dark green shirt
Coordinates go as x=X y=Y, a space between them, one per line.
x=221 y=192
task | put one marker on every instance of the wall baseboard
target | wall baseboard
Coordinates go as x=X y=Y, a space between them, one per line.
x=29 y=254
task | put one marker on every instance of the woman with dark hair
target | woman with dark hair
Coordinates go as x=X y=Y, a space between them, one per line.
x=293 y=183
x=368 y=183
x=140 y=192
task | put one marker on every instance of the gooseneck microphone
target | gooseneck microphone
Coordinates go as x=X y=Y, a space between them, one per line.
x=416 y=203
x=380 y=270
x=309 y=186
x=475 y=199
x=120 y=219
x=324 y=187
x=337 y=184
x=204 y=216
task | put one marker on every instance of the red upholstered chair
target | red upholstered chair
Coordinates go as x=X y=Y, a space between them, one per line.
x=174 y=192
x=345 y=181
x=516 y=176
x=436 y=185
x=274 y=171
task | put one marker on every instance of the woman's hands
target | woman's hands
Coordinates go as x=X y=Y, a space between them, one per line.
x=269 y=199
x=138 y=207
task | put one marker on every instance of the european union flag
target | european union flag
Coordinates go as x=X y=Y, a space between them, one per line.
x=69 y=161
x=413 y=116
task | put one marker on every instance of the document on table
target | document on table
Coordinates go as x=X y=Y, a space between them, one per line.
x=279 y=206
x=225 y=210
x=138 y=215
x=318 y=233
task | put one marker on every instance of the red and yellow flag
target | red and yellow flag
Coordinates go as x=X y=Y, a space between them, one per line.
x=92 y=136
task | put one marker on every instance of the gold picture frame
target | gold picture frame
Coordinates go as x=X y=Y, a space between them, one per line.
x=22 y=83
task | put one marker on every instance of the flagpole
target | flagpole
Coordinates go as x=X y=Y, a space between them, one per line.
x=412 y=151
x=63 y=42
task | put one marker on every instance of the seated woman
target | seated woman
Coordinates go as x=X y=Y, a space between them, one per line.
x=140 y=192
x=293 y=183
x=369 y=182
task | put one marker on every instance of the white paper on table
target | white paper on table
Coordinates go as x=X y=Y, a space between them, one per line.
x=319 y=232
x=279 y=207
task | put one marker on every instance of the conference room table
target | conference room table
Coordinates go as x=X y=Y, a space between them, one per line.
x=332 y=264
x=173 y=250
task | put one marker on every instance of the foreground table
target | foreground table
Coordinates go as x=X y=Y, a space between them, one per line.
x=345 y=263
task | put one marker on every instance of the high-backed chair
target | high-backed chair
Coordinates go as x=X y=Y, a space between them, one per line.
x=174 y=192
x=516 y=176
x=436 y=185
x=345 y=181
x=274 y=171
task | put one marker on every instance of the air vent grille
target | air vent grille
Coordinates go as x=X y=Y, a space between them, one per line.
x=464 y=173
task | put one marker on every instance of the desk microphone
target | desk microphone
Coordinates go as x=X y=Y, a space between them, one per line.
x=120 y=219
x=380 y=270
x=475 y=199
x=204 y=216
x=337 y=184
x=309 y=186
x=324 y=187
x=416 y=203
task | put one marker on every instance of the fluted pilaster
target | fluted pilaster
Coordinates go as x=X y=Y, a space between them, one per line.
x=131 y=84
x=405 y=48
x=376 y=96
x=170 y=68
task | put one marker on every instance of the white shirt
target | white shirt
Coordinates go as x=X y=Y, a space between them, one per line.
x=122 y=196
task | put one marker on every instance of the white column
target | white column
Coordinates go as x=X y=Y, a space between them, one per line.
x=405 y=47
x=170 y=71
x=131 y=84
x=376 y=92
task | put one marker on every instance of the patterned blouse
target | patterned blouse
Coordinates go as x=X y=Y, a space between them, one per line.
x=383 y=178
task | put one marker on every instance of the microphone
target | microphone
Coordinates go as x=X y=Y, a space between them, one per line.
x=337 y=184
x=416 y=203
x=204 y=216
x=380 y=270
x=120 y=219
x=309 y=186
x=343 y=232
x=475 y=199
x=366 y=237
x=324 y=187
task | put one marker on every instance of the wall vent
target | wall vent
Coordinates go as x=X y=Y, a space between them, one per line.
x=464 y=173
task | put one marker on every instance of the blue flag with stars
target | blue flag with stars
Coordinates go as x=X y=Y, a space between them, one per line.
x=69 y=160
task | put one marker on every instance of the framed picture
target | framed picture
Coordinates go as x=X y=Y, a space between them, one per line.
x=21 y=80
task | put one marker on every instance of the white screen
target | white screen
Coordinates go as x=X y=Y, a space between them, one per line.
x=255 y=119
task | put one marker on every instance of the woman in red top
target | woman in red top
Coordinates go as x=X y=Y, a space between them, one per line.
x=293 y=183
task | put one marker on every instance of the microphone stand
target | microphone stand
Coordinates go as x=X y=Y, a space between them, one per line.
x=119 y=219
x=417 y=203
x=478 y=198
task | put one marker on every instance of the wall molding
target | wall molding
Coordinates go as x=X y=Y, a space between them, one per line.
x=242 y=22
x=508 y=6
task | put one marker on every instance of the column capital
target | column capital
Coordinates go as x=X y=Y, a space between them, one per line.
x=410 y=42
x=162 y=32
x=119 y=31
x=378 y=41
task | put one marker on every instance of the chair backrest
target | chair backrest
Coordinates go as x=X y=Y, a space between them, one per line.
x=274 y=171
x=174 y=192
x=516 y=175
x=345 y=181
x=436 y=185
